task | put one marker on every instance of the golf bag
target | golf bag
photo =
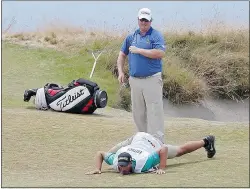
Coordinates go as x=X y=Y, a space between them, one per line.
x=80 y=96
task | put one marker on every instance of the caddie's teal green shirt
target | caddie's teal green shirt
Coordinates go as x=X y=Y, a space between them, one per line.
x=153 y=160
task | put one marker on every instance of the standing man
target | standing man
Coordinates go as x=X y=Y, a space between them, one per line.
x=145 y=49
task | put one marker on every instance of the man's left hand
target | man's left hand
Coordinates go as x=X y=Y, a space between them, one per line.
x=159 y=171
x=134 y=49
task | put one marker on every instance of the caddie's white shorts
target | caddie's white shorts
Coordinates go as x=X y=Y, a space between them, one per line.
x=172 y=150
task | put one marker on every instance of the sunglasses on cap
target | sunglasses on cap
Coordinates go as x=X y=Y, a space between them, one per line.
x=144 y=20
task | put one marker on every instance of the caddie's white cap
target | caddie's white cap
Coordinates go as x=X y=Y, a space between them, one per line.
x=145 y=13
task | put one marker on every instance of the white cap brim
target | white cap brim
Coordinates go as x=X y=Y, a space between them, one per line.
x=148 y=17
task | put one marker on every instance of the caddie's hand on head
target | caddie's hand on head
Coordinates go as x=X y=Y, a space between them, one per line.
x=134 y=49
x=121 y=77
x=93 y=172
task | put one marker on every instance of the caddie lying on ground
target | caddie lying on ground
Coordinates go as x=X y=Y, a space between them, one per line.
x=145 y=153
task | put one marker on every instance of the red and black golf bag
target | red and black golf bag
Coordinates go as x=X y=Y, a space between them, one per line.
x=80 y=96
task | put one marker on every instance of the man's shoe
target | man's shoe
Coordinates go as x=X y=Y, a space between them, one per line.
x=210 y=147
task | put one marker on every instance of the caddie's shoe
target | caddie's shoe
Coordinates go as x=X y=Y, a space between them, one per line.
x=210 y=146
x=28 y=93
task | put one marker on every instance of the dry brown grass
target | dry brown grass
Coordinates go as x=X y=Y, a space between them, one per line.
x=220 y=58
x=212 y=62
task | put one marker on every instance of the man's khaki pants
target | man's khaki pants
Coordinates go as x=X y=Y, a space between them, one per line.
x=147 y=105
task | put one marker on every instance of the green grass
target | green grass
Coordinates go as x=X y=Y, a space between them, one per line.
x=51 y=149
x=33 y=68
x=196 y=65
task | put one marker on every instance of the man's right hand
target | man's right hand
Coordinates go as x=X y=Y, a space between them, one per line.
x=121 y=77
x=93 y=172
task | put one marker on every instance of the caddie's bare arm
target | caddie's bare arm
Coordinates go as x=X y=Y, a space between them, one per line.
x=163 y=153
x=98 y=163
x=126 y=142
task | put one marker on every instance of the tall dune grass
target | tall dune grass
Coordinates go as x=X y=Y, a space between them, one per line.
x=196 y=65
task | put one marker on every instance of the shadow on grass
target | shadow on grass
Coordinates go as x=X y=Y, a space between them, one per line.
x=111 y=171
x=94 y=114
x=188 y=163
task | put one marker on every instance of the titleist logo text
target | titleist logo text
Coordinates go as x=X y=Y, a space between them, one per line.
x=70 y=98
